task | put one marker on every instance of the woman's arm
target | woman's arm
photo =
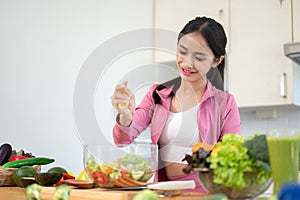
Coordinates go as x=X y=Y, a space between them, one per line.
x=232 y=122
x=141 y=120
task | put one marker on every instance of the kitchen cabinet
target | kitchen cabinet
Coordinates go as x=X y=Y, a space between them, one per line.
x=174 y=14
x=258 y=73
x=296 y=20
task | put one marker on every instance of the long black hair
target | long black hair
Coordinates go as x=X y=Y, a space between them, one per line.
x=215 y=36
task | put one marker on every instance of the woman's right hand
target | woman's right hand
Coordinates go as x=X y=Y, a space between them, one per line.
x=124 y=102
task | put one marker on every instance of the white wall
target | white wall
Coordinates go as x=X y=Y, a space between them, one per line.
x=287 y=118
x=42 y=47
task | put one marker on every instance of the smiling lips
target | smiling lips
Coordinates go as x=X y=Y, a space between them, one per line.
x=186 y=72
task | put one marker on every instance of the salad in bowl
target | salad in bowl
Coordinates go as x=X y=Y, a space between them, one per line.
x=236 y=166
x=122 y=166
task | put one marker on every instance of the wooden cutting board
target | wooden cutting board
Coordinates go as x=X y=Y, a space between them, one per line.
x=103 y=194
x=91 y=194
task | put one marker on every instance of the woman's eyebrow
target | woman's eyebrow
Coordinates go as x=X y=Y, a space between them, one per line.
x=198 y=53
x=183 y=47
x=201 y=53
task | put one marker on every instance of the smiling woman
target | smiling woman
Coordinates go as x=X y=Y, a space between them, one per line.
x=185 y=110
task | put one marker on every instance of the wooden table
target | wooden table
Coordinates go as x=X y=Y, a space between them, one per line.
x=13 y=193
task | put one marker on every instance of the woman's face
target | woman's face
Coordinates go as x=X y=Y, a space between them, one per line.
x=194 y=57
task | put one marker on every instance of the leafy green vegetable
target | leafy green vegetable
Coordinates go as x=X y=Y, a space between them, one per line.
x=92 y=165
x=232 y=139
x=198 y=159
x=258 y=148
x=230 y=160
x=132 y=162
x=138 y=168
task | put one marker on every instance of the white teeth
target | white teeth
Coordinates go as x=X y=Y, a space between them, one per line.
x=186 y=70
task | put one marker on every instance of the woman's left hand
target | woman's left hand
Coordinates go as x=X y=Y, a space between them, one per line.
x=124 y=102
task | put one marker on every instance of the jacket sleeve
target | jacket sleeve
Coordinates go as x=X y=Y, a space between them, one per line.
x=141 y=120
x=232 y=122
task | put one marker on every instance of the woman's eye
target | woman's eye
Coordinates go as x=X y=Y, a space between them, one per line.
x=183 y=52
x=199 y=59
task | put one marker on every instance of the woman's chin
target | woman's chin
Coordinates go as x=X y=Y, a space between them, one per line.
x=187 y=78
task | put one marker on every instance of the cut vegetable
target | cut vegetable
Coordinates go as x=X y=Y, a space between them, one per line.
x=62 y=192
x=33 y=192
x=136 y=175
x=28 y=162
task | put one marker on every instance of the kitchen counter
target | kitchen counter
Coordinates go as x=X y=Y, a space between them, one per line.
x=13 y=193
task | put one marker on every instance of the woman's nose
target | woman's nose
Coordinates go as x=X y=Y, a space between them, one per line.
x=187 y=63
x=189 y=60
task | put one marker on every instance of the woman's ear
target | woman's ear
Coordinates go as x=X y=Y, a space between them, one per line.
x=218 y=61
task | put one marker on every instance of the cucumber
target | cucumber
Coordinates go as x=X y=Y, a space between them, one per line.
x=28 y=162
x=5 y=151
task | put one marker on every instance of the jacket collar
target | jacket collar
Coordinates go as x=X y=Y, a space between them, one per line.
x=210 y=91
x=164 y=96
x=164 y=93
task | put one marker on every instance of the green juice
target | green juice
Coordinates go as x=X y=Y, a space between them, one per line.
x=284 y=157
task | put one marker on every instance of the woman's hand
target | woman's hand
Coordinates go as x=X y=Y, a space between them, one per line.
x=124 y=102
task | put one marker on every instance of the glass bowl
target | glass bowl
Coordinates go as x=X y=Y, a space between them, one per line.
x=252 y=190
x=122 y=165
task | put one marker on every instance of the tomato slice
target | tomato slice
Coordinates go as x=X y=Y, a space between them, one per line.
x=125 y=174
x=100 y=178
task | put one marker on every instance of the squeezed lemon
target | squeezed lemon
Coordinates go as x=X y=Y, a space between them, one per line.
x=123 y=105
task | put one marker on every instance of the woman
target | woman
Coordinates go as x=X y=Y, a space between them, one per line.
x=185 y=110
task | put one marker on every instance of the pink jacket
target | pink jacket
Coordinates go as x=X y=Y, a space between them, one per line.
x=217 y=114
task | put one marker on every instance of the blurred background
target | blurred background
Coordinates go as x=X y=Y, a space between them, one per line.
x=44 y=44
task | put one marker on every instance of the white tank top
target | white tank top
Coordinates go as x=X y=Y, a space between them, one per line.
x=179 y=135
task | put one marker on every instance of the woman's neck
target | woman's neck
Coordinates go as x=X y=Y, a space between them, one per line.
x=188 y=95
x=187 y=87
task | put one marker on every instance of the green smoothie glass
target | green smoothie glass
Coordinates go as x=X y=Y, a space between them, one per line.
x=284 y=156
